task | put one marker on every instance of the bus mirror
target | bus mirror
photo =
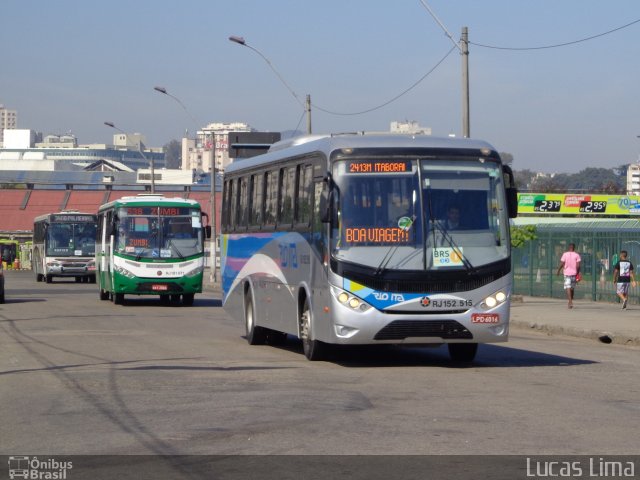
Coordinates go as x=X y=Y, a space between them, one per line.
x=512 y=202
x=511 y=191
x=325 y=207
x=207 y=231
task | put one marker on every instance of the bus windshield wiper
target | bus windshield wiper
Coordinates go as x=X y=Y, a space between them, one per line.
x=173 y=246
x=456 y=248
x=445 y=235
x=391 y=252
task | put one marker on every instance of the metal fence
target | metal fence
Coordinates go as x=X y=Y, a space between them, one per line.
x=535 y=264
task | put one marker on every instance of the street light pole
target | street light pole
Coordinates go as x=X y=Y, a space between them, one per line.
x=151 y=162
x=213 y=277
x=306 y=106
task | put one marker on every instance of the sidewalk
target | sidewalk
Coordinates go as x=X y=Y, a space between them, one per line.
x=600 y=321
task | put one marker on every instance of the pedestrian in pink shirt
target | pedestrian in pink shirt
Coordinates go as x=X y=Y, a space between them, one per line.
x=570 y=266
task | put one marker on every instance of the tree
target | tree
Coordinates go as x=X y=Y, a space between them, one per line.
x=521 y=234
x=173 y=154
x=524 y=179
x=507 y=158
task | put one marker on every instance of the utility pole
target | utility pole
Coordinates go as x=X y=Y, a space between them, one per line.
x=464 y=51
x=308 y=110
x=463 y=47
x=214 y=219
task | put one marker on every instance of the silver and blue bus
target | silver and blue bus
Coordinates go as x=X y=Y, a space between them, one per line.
x=350 y=240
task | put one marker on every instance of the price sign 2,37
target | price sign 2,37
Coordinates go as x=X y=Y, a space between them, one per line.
x=547 y=206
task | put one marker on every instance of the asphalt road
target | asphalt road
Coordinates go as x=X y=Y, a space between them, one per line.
x=83 y=376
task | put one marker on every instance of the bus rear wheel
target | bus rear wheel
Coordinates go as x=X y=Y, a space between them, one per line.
x=314 y=350
x=118 y=298
x=104 y=295
x=255 y=335
x=463 y=352
x=48 y=278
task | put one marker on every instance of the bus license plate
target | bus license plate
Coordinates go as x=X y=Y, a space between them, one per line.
x=159 y=288
x=485 y=318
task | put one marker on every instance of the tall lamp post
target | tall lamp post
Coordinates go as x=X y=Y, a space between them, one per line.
x=306 y=105
x=212 y=193
x=151 y=162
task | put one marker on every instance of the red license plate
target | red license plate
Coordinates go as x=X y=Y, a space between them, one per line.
x=485 y=318
x=159 y=288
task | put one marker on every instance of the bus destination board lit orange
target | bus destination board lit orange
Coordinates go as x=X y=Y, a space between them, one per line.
x=378 y=166
x=164 y=211
x=376 y=235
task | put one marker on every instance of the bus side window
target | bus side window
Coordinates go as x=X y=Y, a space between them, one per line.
x=303 y=202
x=287 y=187
x=270 y=198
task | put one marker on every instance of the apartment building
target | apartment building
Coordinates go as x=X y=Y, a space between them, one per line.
x=8 y=121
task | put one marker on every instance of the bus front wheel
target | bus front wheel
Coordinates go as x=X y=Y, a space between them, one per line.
x=255 y=335
x=463 y=352
x=314 y=350
x=187 y=299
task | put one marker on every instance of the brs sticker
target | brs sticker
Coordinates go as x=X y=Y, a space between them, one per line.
x=485 y=318
x=447 y=257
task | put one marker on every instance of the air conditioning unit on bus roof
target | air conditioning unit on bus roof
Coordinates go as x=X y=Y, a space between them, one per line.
x=294 y=142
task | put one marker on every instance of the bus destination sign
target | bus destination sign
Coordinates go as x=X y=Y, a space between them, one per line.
x=371 y=235
x=164 y=211
x=378 y=166
x=73 y=218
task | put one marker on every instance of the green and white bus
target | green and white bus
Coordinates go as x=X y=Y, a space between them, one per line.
x=150 y=245
x=64 y=246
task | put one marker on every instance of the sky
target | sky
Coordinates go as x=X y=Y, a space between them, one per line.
x=71 y=65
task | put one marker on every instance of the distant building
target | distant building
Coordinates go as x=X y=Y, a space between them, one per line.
x=219 y=139
x=409 y=127
x=250 y=144
x=62 y=152
x=8 y=121
x=212 y=139
x=633 y=179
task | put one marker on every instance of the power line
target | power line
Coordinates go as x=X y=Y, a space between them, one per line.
x=558 y=44
x=394 y=98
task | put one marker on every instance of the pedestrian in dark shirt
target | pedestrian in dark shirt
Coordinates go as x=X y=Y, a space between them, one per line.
x=623 y=276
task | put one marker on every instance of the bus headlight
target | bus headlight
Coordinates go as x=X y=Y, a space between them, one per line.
x=493 y=300
x=349 y=300
x=123 y=271
x=194 y=272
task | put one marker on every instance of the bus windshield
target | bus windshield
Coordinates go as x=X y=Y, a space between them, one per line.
x=71 y=239
x=420 y=213
x=159 y=232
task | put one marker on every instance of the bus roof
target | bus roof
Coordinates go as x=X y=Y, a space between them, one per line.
x=326 y=144
x=150 y=200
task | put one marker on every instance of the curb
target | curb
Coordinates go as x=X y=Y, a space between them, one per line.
x=597 y=335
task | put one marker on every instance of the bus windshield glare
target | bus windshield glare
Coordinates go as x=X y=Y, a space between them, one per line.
x=420 y=214
x=159 y=232
x=71 y=239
